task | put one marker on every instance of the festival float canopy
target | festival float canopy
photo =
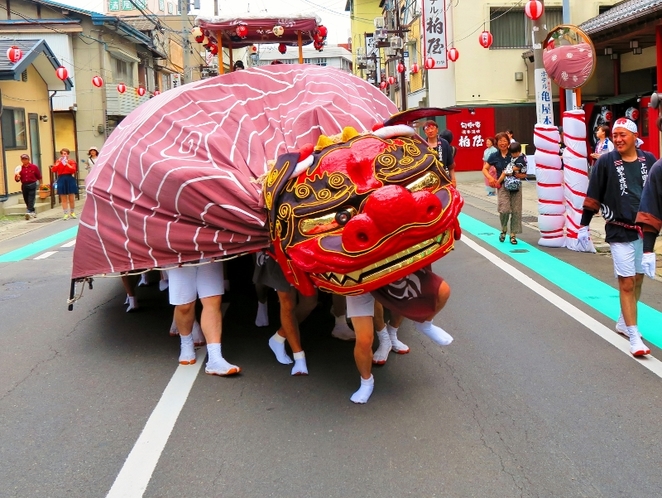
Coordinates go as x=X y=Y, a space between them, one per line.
x=297 y=30
x=175 y=181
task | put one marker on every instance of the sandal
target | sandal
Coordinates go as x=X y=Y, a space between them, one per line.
x=502 y=236
x=513 y=240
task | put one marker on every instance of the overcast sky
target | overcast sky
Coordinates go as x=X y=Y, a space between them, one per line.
x=331 y=12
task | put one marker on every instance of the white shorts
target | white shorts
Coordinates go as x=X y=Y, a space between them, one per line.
x=361 y=305
x=190 y=282
x=627 y=257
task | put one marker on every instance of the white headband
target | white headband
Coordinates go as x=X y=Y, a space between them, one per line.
x=626 y=124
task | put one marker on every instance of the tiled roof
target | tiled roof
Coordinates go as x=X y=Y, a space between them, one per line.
x=35 y=52
x=630 y=10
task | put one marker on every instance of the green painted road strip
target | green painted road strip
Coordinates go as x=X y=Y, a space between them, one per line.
x=577 y=283
x=39 y=246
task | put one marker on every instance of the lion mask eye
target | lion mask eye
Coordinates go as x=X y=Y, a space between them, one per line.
x=327 y=223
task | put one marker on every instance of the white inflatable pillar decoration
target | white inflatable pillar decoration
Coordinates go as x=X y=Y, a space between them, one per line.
x=575 y=172
x=549 y=181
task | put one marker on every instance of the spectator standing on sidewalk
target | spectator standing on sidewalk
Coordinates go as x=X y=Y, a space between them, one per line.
x=615 y=187
x=442 y=148
x=29 y=175
x=67 y=187
x=491 y=149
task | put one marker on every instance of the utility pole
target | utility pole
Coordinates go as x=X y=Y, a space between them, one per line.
x=543 y=86
x=186 y=43
x=403 y=77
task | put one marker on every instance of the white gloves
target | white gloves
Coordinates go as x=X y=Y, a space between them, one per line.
x=583 y=236
x=648 y=264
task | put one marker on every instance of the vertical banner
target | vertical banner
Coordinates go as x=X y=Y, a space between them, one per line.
x=544 y=106
x=434 y=32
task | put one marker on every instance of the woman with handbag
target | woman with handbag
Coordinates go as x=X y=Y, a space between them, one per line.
x=509 y=202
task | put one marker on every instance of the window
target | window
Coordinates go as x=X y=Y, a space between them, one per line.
x=170 y=8
x=13 y=128
x=320 y=62
x=512 y=29
x=604 y=8
x=162 y=5
x=123 y=71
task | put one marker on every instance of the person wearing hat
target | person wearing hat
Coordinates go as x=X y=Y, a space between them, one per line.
x=29 y=175
x=615 y=187
x=442 y=147
x=92 y=157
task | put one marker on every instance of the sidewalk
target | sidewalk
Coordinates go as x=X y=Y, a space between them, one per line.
x=14 y=226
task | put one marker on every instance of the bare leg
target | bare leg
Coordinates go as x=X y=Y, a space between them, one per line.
x=211 y=322
x=380 y=355
x=129 y=283
x=397 y=346
x=72 y=201
x=363 y=326
x=289 y=330
x=184 y=318
x=437 y=334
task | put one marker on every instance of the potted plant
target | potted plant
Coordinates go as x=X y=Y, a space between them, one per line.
x=44 y=191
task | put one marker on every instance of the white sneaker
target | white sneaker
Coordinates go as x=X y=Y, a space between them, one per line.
x=637 y=346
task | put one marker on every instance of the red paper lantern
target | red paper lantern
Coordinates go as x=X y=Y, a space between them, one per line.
x=486 y=39
x=391 y=80
x=62 y=73
x=382 y=85
x=534 y=9
x=241 y=31
x=140 y=90
x=200 y=38
x=14 y=54
x=401 y=67
x=322 y=31
x=157 y=92
x=282 y=48
x=453 y=54
x=414 y=68
x=430 y=63
x=121 y=88
x=97 y=81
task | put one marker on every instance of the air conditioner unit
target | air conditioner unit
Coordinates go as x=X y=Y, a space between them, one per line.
x=379 y=22
x=395 y=42
x=390 y=52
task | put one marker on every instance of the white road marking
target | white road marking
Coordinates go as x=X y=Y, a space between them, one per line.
x=649 y=362
x=139 y=466
x=69 y=244
x=46 y=254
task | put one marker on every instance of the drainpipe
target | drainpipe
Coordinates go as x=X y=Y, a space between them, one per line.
x=50 y=173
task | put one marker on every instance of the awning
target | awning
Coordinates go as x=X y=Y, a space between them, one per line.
x=121 y=54
x=618 y=99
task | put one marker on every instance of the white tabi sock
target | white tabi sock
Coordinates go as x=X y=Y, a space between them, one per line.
x=132 y=302
x=187 y=350
x=143 y=280
x=198 y=336
x=300 y=367
x=262 y=317
x=621 y=328
x=380 y=355
x=216 y=364
x=163 y=284
x=342 y=331
x=437 y=334
x=396 y=345
x=277 y=345
x=173 y=328
x=365 y=391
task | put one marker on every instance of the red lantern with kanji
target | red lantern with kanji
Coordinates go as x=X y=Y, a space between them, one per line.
x=322 y=31
x=157 y=92
x=391 y=80
x=382 y=85
x=414 y=68
x=121 y=88
x=282 y=48
x=453 y=54
x=62 y=73
x=485 y=39
x=97 y=81
x=140 y=90
x=401 y=67
x=14 y=54
x=534 y=9
x=430 y=63
x=241 y=31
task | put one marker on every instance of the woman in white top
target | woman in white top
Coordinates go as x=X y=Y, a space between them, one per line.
x=603 y=144
x=93 y=155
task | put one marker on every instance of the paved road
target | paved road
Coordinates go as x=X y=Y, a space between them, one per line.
x=534 y=398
